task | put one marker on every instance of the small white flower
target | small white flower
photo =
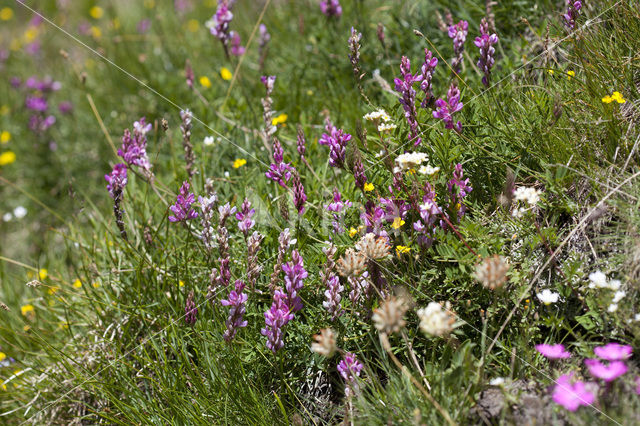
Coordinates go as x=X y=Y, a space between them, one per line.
x=428 y=170
x=519 y=212
x=19 y=212
x=226 y=174
x=636 y=317
x=548 y=297
x=386 y=127
x=614 y=285
x=380 y=154
x=497 y=381
x=209 y=140
x=598 y=280
x=377 y=115
x=411 y=160
x=618 y=296
x=613 y=307
x=7 y=217
x=529 y=195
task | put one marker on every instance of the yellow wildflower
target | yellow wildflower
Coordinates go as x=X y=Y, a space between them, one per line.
x=6 y=13
x=96 y=32
x=7 y=157
x=149 y=4
x=5 y=137
x=27 y=309
x=3 y=356
x=397 y=223
x=27 y=327
x=615 y=96
x=96 y=12
x=204 y=80
x=353 y=232
x=30 y=34
x=193 y=25
x=239 y=163
x=309 y=92
x=95 y=285
x=77 y=283
x=368 y=187
x=281 y=119
x=53 y=290
x=225 y=74
x=181 y=283
x=570 y=74
x=43 y=274
x=402 y=249
x=551 y=72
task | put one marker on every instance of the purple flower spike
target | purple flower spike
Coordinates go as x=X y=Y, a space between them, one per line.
x=116 y=180
x=608 y=373
x=459 y=188
x=349 y=369
x=237 y=49
x=337 y=140
x=299 y=196
x=613 y=351
x=182 y=210
x=279 y=171
x=337 y=207
x=219 y=24
x=428 y=68
x=485 y=43
x=458 y=33
x=404 y=86
x=446 y=109
x=573 y=10
x=331 y=8
x=275 y=319
x=244 y=217
x=571 y=396
x=553 y=351
x=333 y=297
x=134 y=147
x=191 y=310
x=294 y=275
x=236 y=301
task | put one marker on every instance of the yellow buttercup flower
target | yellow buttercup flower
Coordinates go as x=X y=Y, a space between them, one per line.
x=397 y=223
x=43 y=274
x=3 y=356
x=5 y=137
x=6 y=13
x=368 y=187
x=181 y=283
x=95 y=285
x=204 y=80
x=30 y=34
x=281 y=119
x=551 y=72
x=570 y=74
x=96 y=32
x=353 y=232
x=96 y=12
x=77 y=283
x=239 y=163
x=27 y=309
x=193 y=25
x=402 y=249
x=225 y=74
x=7 y=157
x=615 y=96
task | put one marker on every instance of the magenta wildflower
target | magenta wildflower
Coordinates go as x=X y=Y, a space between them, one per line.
x=446 y=109
x=244 y=217
x=294 y=275
x=219 y=24
x=40 y=124
x=331 y=8
x=337 y=208
x=191 y=310
x=404 y=86
x=301 y=143
x=299 y=196
x=116 y=180
x=279 y=171
x=134 y=147
x=485 y=43
x=337 y=140
x=349 y=369
x=36 y=103
x=275 y=318
x=429 y=212
x=47 y=84
x=556 y=351
x=65 y=107
x=613 y=351
x=182 y=210
x=573 y=10
x=459 y=188
x=358 y=173
x=428 y=68
x=605 y=372
x=333 y=297
x=458 y=33
x=237 y=49
x=571 y=396
x=236 y=301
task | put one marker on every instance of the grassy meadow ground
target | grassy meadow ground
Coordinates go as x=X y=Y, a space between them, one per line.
x=429 y=293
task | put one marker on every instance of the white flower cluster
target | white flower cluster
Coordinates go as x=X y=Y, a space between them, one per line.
x=599 y=280
x=410 y=160
x=547 y=296
x=18 y=213
x=386 y=127
x=528 y=196
x=436 y=319
x=377 y=116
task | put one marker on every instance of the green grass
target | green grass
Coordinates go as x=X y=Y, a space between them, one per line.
x=116 y=349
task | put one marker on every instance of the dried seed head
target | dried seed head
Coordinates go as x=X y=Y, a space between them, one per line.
x=351 y=264
x=389 y=317
x=436 y=321
x=373 y=247
x=325 y=343
x=4 y=307
x=34 y=283
x=492 y=272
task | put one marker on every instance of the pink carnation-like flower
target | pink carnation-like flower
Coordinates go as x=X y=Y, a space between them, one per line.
x=605 y=372
x=571 y=396
x=613 y=351
x=553 y=351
